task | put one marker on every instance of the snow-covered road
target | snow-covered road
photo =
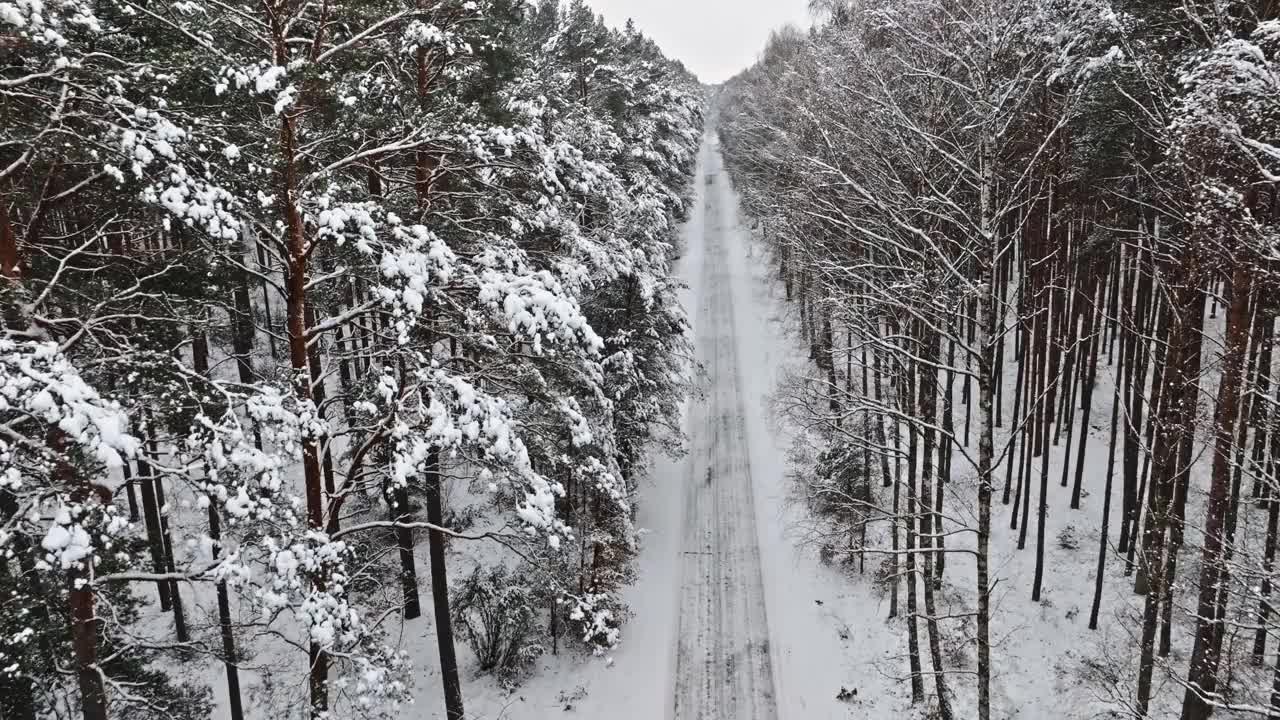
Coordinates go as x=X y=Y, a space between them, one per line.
x=733 y=617
x=723 y=667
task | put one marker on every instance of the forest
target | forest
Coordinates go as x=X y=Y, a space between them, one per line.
x=474 y=359
x=292 y=290
x=1030 y=250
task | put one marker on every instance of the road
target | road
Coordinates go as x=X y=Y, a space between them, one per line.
x=722 y=669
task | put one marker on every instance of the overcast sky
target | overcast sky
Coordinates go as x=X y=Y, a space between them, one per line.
x=713 y=38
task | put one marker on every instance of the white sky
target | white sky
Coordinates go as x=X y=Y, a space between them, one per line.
x=713 y=38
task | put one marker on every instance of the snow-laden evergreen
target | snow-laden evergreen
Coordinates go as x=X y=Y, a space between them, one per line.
x=285 y=286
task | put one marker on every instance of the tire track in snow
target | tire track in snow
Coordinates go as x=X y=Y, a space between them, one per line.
x=723 y=670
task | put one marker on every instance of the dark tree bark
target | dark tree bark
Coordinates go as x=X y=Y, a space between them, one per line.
x=398 y=509
x=1017 y=419
x=1106 y=506
x=1264 y=591
x=1172 y=424
x=440 y=592
x=200 y=361
x=930 y=526
x=84 y=621
x=1094 y=343
x=151 y=515
x=226 y=629
x=1136 y=371
x=166 y=540
x=296 y=304
x=1202 y=676
x=913 y=639
x=130 y=493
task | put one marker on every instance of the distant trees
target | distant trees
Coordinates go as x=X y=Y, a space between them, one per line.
x=1024 y=213
x=276 y=276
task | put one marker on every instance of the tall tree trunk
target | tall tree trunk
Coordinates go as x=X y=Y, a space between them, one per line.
x=84 y=621
x=398 y=509
x=1019 y=381
x=1158 y=399
x=200 y=361
x=151 y=516
x=440 y=592
x=1189 y=400
x=1263 y=383
x=229 y=655
x=179 y=611
x=1264 y=591
x=296 y=307
x=1136 y=373
x=1202 y=676
x=928 y=405
x=990 y=319
x=1171 y=425
x=1106 y=504
x=1042 y=510
x=913 y=505
x=1094 y=343
x=889 y=479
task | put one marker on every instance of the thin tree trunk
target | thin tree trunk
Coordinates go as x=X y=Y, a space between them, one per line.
x=1094 y=344
x=84 y=633
x=913 y=639
x=398 y=510
x=1171 y=424
x=440 y=592
x=296 y=304
x=1202 y=676
x=229 y=656
x=151 y=516
x=200 y=362
x=1137 y=372
x=1042 y=510
x=1017 y=420
x=1264 y=591
x=1161 y=368
x=928 y=408
x=127 y=474
x=1106 y=505
x=1189 y=400
x=990 y=319
x=179 y=611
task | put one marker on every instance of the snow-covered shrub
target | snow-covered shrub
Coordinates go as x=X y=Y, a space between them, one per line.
x=886 y=573
x=840 y=496
x=844 y=472
x=596 y=618
x=1068 y=538
x=463 y=518
x=497 y=612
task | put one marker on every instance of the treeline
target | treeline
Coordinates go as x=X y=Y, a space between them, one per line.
x=1005 y=225
x=291 y=288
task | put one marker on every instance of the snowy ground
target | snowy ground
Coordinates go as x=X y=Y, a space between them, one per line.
x=723 y=665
